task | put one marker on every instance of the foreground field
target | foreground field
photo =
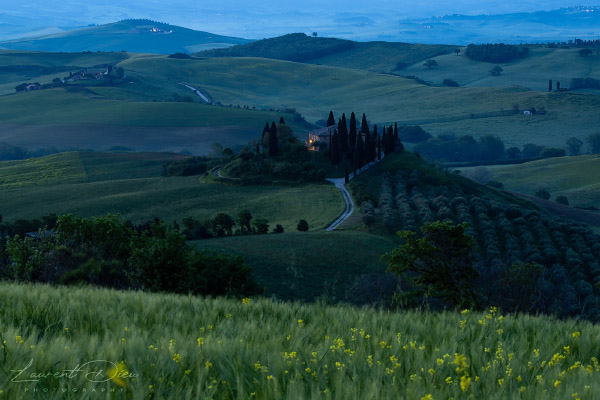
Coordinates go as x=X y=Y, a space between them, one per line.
x=564 y=176
x=158 y=346
x=131 y=184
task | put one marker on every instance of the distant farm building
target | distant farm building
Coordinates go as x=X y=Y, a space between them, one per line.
x=320 y=137
x=89 y=74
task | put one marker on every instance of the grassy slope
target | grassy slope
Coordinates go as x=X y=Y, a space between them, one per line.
x=187 y=348
x=132 y=35
x=567 y=176
x=59 y=118
x=532 y=72
x=309 y=265
x=131 y=184
x=383 y=57
x=314 y=90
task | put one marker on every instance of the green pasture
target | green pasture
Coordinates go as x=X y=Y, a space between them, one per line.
x=308 y=265
x=573 y=177
x=131 y=184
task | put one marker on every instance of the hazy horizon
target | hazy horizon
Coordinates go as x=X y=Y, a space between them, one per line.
x=380 y=20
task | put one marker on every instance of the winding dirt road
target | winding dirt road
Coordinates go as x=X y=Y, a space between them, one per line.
x=341 y=185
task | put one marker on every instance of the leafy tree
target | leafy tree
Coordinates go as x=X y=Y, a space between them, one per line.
x=450 y=82
x=496 y=71
x=439 y=263
x=330 y=119
x=543 y=194
x=457 y=51
x=574 y=145
x=302 y=225
x=261 y=226
x=585 y=52
x=548 y=152
x=531 y=150
x=594 y=142
x=562 y=200
x=430 y=64
x=273 y=140
x=244 y=222
x=278 y=229
x=222 y=224
x=513 y=152
x=120 y=72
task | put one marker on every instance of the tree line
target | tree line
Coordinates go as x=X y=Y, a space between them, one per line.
x=496 y=53
x=111 y=252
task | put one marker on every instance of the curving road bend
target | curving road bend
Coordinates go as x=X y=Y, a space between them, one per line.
x=341 y=185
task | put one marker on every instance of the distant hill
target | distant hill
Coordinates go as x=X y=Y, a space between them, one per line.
x=370 y=56
x=137 y=36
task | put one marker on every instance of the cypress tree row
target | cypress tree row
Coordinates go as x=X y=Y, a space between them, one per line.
x=273 y=140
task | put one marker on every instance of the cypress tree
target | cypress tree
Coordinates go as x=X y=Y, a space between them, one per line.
x=281 y=121
x=379 y=148
x=390 y=145
x=330 y=119
x=346 y=177
x=550 y=85
x=396 y=132
x=364 y=126
x=265 y=136
x=273 y=140
x=335 y=149
x=375 y=137
x=360 y=152
x=352 y=133
x=368 y=144
x=343 y=132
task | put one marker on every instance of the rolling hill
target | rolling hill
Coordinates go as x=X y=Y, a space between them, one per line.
x=139 y=105
x=369 y=56
x=138 y=36
x=564 y=176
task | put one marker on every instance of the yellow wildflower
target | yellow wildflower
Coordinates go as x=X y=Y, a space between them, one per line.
x=465 y=382
x=246 y=300
x=576 y=334
x=117 y=373
x=556 y=384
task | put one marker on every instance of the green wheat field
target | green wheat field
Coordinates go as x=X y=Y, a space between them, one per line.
x=66 y=343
